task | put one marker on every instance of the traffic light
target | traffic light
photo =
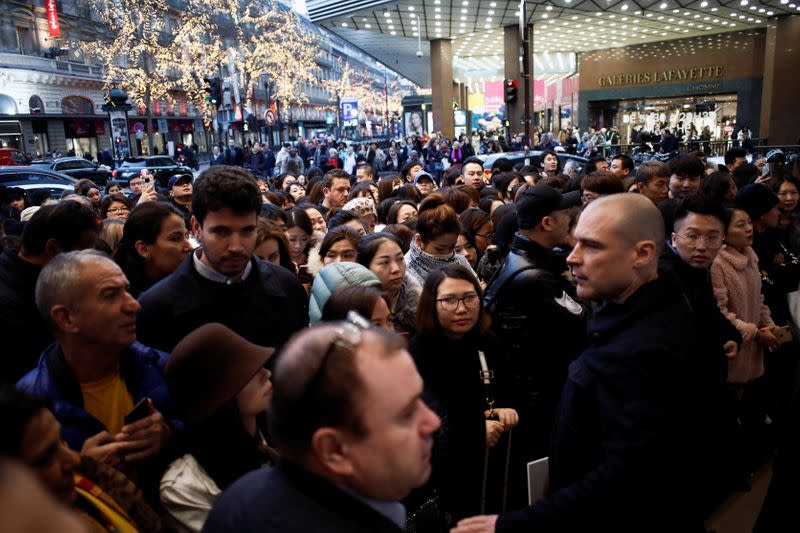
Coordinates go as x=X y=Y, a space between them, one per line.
x=510 y=91
x=214 y=90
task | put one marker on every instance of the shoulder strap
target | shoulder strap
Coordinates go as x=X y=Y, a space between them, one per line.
x=503 y=277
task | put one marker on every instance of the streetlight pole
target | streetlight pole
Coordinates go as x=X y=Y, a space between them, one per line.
x=117 y=107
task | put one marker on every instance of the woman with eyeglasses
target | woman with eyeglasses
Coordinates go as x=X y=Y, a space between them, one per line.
x=451 y=350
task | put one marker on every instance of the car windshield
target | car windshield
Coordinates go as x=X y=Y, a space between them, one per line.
x=135 y=163
x=161 y=162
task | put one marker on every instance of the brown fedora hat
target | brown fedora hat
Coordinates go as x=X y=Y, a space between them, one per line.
x=209 y=367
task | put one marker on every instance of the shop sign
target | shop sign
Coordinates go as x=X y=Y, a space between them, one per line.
x=663 y=76
x=52 y=18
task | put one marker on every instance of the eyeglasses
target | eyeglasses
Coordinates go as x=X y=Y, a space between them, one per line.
x=693 y=239
x=470 y=300
x=488 y=236
x=588 y=197
x=117 y=210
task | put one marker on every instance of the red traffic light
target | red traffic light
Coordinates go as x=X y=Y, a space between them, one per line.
x=511 y=84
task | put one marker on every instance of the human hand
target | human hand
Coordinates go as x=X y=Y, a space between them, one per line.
x=494 y=430
x=507 y=416
x=476 y=524
x=731 y=349
x=149 y=194
x=767 y=340
x=147 y=436
x=105 y=448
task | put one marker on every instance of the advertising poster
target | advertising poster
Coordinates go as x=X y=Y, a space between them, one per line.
x=489 y=108
x=414 y=123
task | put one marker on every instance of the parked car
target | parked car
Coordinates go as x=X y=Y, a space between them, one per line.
x=162 y=167
x=28 y=179
x=76 y=167
x=12 y=157
x=534 y=159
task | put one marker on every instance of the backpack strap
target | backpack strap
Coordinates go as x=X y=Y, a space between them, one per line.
x=502 y=278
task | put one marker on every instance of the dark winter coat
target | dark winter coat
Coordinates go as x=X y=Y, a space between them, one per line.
x=541 y=328
x=22 y=328
x=266 y=308
x=623 y=455
x=453 y=388
x=292 y=500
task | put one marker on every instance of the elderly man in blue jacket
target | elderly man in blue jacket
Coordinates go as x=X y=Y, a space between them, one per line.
x=96 y=372
x=622 y=456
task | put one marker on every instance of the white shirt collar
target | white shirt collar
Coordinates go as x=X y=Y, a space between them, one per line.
x=212 y=275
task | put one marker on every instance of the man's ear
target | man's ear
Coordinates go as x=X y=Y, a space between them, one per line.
x=547 y=223
x=645 y=253
x=63 y=318
x=330 y=447
x=52 y=248
x=418 y=240
x=197 y=228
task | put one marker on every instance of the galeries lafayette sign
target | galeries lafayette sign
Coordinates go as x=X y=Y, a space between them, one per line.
x=52 y=18
x=712 y=72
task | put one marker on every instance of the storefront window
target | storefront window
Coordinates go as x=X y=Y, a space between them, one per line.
x=77 y=105
x=687 y=117
x=7 y=105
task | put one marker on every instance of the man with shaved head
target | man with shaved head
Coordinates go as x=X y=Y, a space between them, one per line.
x=625 y=434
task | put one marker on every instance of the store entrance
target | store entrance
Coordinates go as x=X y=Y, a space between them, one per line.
x=687 y=117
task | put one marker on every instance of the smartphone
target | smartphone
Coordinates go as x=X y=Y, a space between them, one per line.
x=139 y=411
x=783 y=334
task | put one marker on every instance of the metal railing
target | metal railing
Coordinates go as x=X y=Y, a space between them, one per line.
x=714 y=148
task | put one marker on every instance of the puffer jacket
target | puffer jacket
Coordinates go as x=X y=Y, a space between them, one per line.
x=333 y=277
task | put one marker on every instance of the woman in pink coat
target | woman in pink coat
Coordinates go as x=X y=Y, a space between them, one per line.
x=737 y=286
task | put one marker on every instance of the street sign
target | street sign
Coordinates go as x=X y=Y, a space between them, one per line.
x=349 y=109
x=269 y=117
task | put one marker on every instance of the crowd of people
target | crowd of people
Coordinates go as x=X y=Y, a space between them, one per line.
x=372 y=342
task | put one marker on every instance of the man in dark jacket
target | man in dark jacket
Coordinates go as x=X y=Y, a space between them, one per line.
x=53 y=229
x=624 y=443
x=694 y=243
x=353 y=434
x=222 y=281
x=234 y=155
x=537 y=320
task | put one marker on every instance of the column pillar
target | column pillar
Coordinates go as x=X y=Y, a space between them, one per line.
x=779 y=104
x=512 y=42
x=442 y=86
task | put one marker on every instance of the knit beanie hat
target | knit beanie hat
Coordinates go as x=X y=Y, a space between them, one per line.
x=361 y=206
x=333 y=277
x=209 y=367
x=755 y=199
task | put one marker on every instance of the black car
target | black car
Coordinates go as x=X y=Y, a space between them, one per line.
x=535 y=160
x=162 y=167
x=76 y=167
x=29 y=179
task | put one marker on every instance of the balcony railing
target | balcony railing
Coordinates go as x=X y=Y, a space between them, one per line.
x=28 y=62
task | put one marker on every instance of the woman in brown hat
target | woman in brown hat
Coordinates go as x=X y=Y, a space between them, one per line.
x=219 y=380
